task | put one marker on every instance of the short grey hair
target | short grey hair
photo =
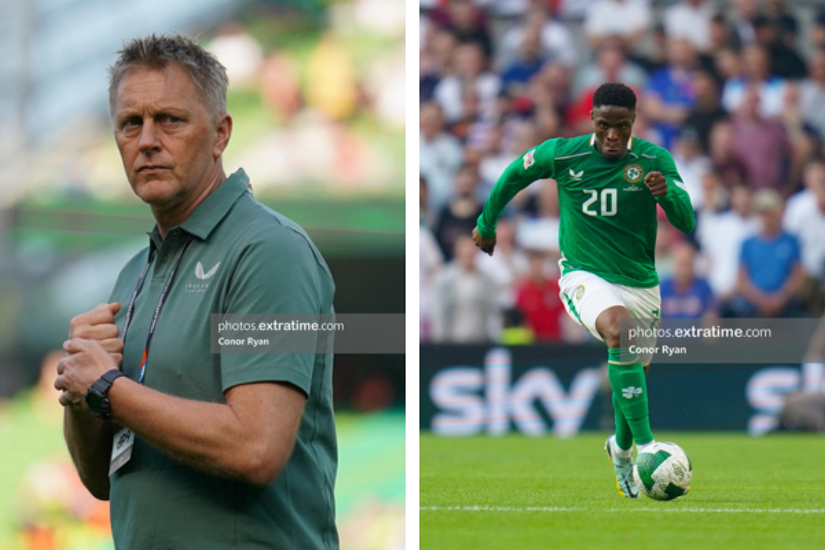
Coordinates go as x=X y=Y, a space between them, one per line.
x=158 y=51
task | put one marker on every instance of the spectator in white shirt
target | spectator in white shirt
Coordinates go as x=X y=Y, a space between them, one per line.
x=627 y=19
x=690 y=19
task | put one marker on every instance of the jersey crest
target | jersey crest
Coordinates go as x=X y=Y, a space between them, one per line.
x=529 y=158
x=633 y=173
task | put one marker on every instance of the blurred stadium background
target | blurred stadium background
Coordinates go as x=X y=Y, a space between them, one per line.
x=317 y=96
x=734 y=89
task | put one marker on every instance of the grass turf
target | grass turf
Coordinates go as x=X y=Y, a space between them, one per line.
x=517 y=492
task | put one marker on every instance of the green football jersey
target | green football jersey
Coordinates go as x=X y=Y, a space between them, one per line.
x=608 y=215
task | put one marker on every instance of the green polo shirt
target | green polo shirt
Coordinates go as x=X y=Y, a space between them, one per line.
x=244 y=258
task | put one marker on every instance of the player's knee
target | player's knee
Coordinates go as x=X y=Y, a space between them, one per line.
x=612 y=334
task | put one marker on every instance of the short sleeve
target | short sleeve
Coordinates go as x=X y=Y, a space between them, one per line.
x=276 y=274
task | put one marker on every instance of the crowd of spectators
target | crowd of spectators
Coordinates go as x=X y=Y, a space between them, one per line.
x=734 y=90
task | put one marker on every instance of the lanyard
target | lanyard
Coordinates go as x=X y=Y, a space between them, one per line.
x=158 y=308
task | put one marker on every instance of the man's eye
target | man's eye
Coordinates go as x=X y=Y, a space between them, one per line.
x=132 y=122
x=603 y=125
x=172 y=119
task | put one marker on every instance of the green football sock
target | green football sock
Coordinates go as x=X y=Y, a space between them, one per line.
x=624 y=437
x=627 y=381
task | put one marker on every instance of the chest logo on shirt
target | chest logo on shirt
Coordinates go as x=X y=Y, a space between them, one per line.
x=577 y=176
x=529 y=158
x=633 y=173
x=200 y=274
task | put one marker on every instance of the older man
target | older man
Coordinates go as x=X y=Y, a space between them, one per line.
x=199 y=450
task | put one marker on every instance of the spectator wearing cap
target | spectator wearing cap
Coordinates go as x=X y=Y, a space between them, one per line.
x=706 y=110
x=690 y=19
x=770 y=268
x=685 y=295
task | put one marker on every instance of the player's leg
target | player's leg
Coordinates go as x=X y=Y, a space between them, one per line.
x=585 y=297
x=627 y=379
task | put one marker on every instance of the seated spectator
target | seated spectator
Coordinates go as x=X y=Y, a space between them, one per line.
x=691 y=163
x=669 y=94
x=507 y=266
x=817 y=35
x=770 y=271
x=460 y=215
x=469 y=73
x=787 y=26
x=722 y=35
x=430 y=263
x=761 y=143
x=771 y=88
x=720 y=233
x=805 y=219
x=627 y=19
x=684 y=294
x=784 y=61
x=707 y=109
x=436 y=57
x=515 y=75
x=724 y=156
x=744 y=12
x=465 y=305
x=466 y=21
x=555 y=41
x=537 y=298
x=439 y=155
x=690 y=19
x=812 y=93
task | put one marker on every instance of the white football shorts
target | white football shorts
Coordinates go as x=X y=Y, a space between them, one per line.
x=586 y=295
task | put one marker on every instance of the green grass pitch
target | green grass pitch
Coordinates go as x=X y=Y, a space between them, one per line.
x=516 y=492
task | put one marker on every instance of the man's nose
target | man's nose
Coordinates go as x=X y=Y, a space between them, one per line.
x=148 y=136
x=612 y=134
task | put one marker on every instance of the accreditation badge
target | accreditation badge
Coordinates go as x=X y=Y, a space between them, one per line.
x=122 y=445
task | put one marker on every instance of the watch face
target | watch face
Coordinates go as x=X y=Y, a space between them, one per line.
x=95 y=402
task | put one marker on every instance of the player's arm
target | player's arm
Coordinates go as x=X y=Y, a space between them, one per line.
x=89 y=439
x=535 y=164
x=669 y=191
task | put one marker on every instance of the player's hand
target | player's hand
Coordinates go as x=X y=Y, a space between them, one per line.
x=485 y=244
x=657 y=184
x=99 y=324
x=87 y=361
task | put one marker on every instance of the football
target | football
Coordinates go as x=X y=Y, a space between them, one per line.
x=663 y=471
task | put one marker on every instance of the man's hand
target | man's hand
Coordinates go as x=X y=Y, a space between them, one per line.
x=485 y=244
x=657 y=184
x=99 y=324
x=87 y=361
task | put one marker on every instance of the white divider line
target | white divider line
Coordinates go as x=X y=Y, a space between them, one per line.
x=666 y=510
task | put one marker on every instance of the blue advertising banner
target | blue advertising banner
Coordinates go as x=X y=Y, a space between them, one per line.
x=563 y=389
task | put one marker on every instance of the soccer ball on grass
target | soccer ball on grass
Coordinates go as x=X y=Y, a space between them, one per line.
x=663 y=471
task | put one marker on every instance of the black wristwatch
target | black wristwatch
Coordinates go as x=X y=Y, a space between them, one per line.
x=97 y=398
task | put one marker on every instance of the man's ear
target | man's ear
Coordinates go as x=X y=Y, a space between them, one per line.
x=223 y=130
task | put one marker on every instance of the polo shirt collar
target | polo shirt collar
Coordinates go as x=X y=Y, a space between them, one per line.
x=209 y=213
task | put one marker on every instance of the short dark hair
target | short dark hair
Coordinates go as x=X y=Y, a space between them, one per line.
x=614 y=94
x=158 y=51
